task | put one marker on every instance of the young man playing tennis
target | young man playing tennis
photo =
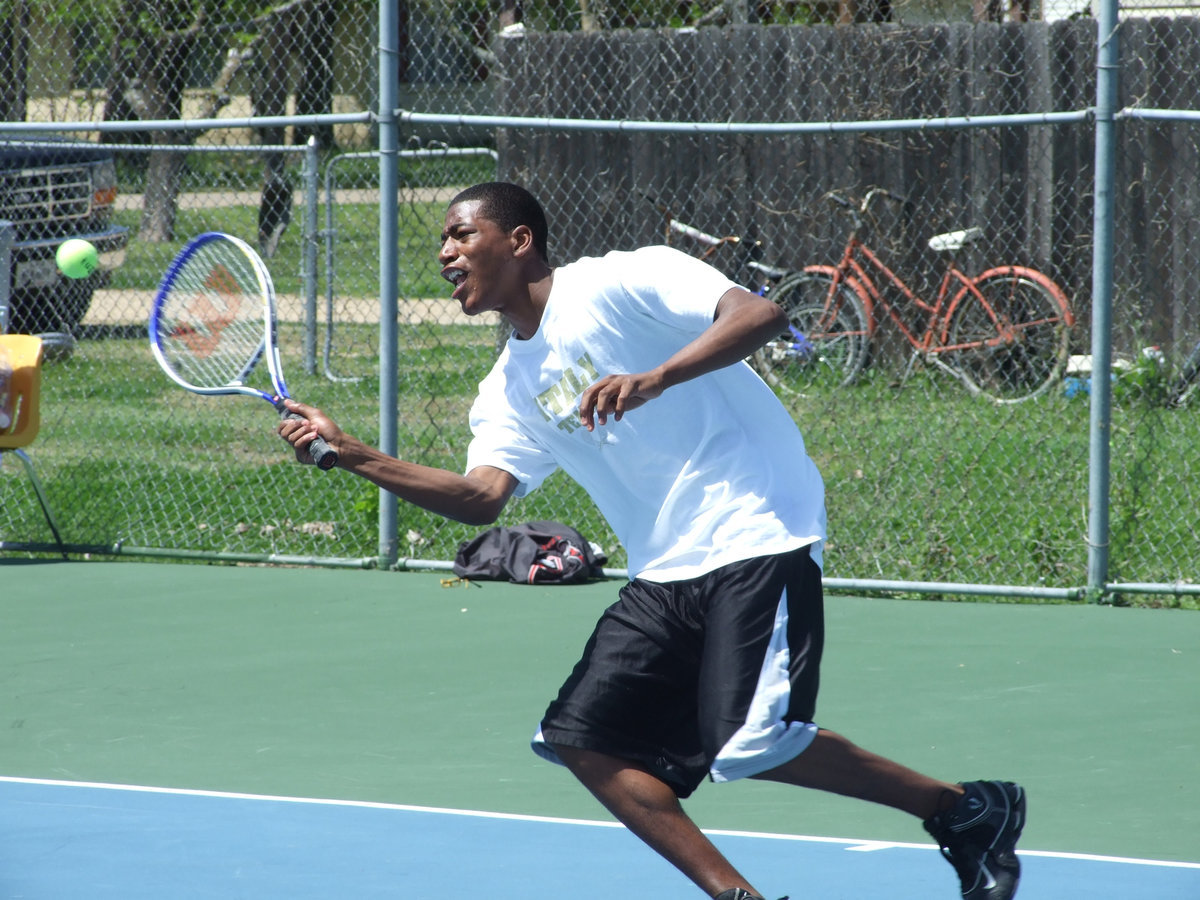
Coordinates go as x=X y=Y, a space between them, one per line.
x=627 y=372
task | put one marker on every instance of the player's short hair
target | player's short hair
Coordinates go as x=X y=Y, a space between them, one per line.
x=509 y=205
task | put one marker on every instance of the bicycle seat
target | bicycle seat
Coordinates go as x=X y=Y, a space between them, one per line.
x=954 y=240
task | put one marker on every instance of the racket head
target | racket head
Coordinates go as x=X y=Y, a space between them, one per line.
x=212 y=317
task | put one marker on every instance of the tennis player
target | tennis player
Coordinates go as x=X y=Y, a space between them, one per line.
x=627 y=372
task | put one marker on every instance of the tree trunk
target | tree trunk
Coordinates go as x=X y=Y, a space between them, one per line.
x=151 y=67
x=1000 y=10
x=591 y=15
x=163 y=73
x=314 y=93
x=160 y=203
x=280 y=39
x=14 y=60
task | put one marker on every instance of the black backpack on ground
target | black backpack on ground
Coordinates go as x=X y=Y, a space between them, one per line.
x=532 y=553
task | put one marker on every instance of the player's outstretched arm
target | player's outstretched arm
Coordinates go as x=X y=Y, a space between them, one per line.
x=476 y=498
x=743 y=322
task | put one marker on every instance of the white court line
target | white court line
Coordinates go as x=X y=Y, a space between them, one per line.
x=852 y=845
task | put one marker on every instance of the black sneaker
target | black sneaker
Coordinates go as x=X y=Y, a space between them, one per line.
x=978 y=836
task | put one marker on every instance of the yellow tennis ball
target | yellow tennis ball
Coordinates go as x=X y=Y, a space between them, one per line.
x=77 y=258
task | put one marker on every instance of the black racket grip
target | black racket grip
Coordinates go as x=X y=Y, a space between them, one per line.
x=318 y=451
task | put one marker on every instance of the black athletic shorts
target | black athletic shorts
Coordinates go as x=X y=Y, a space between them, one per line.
x=715 y=676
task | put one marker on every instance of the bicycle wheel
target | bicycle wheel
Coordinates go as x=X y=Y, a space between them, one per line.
x=1183 y=387
x=1013 y=344
x=827 y=337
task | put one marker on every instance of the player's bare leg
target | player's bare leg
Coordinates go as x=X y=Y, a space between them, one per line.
x=977 y=824
x=650 y=809
x=834 y=764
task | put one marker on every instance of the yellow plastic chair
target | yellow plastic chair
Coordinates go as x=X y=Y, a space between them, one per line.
x=24 y=354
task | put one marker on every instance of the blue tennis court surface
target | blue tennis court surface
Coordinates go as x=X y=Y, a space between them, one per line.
x=235 y=691
x=73 y=840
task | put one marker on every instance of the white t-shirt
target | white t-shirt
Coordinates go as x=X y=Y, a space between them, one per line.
x=711 y=472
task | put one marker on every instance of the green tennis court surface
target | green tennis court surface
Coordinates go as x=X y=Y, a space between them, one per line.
x=397 y=702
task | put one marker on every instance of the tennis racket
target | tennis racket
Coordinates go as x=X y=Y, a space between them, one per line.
x=213 y=319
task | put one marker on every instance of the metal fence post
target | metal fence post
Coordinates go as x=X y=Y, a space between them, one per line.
x=389 y=145
x=311 y=176
x=7 y=236
x=1100 y=423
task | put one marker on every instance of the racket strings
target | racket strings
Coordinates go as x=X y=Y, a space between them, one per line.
x=211 y=328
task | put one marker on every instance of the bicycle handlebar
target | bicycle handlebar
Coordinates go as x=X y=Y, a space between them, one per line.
x=883 y=192
x=749 y=253
x=703 y=237
x=865 y=205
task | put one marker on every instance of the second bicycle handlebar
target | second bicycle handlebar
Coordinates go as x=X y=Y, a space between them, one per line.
x=750 y=255
x=858 y=213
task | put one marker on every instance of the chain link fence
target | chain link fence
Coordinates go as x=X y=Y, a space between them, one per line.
x=739 y=120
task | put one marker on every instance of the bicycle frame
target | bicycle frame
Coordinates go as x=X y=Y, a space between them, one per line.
x=748 y=257
x=1004 y=334
x=854 y=271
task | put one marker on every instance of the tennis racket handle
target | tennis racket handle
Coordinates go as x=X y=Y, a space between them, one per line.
x=318 y=451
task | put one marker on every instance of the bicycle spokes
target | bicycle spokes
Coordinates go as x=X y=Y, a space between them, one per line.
x=826 y=340
x=795 y=347
x=1007 y=337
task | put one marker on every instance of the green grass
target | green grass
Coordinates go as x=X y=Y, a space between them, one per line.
x=355 y=226
x=207 y=171
x=357 y=242
x=208 y=474
x=924 y=482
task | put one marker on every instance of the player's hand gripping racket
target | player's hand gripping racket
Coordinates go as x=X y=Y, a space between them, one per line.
x=214 y=319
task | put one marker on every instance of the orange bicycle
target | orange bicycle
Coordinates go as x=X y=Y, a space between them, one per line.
x=1003 y=333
